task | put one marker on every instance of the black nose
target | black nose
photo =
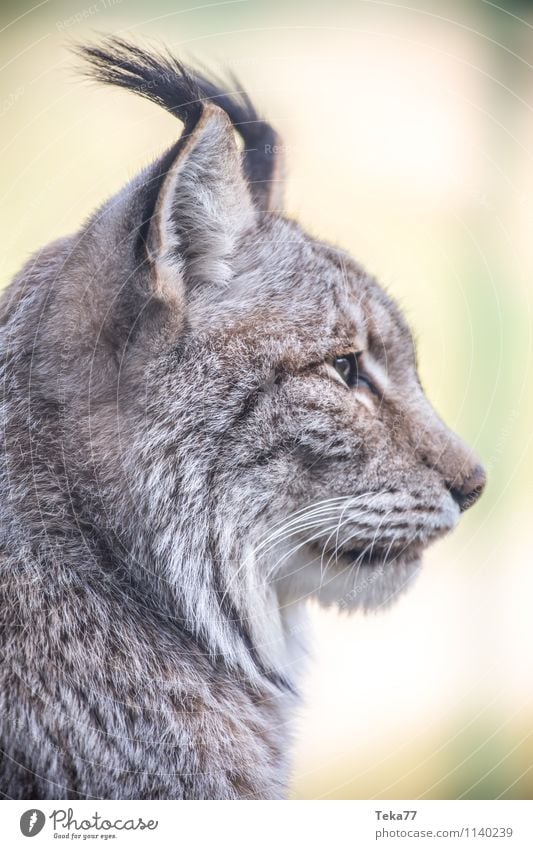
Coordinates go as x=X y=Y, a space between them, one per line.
x=466 y=492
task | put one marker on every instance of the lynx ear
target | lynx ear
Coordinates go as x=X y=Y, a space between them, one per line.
x=202 y=207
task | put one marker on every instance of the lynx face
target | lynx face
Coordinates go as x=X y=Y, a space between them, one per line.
x=235 y=405
x=324 y=454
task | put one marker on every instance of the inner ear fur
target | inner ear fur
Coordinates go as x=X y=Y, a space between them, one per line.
x=203 y=206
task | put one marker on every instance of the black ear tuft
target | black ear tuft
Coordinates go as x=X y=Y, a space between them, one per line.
x=156 y=76
x=161 y=78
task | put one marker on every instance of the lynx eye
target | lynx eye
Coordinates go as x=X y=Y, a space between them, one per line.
x=347 y=367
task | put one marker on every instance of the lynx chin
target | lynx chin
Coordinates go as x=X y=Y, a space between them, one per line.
x=209 y=417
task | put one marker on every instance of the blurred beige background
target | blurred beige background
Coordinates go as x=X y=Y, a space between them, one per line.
x=409 y=132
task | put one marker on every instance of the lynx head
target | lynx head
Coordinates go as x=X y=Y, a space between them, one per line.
x=241 y=416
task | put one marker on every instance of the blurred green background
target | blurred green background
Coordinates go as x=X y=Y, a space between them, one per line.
x=409 y=132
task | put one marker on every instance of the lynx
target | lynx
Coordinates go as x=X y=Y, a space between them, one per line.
x=209 y=418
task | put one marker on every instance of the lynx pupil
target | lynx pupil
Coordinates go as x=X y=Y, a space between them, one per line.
x=347 y=368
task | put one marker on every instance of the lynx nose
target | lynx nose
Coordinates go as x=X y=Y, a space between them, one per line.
x=466 y=492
